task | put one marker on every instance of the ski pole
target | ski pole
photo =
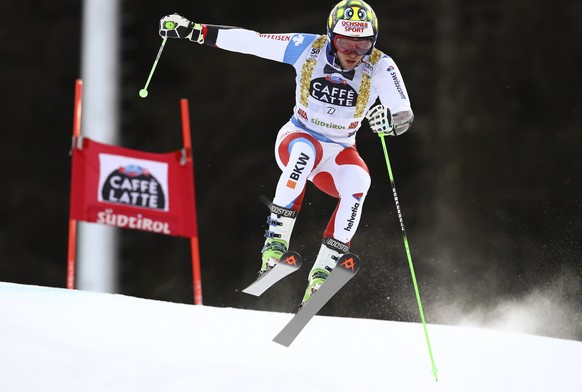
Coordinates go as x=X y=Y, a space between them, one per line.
x=405 y=238
x=144 y=91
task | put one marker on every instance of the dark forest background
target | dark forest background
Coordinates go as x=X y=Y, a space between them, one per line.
x=489 y=176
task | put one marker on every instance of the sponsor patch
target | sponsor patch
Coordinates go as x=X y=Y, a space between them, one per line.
x=331 y=90
x=397 y=82
x=134 y=182
x=353 y=216
x=297 y=170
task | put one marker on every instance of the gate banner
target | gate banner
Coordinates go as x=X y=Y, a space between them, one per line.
x=132 y=189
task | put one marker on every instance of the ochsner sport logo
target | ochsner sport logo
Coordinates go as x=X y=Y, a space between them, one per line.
x=133 y=182
x=354 y=28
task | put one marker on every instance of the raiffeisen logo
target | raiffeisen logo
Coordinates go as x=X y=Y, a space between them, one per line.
x=135 y=186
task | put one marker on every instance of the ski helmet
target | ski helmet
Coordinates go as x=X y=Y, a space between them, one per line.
x=352 y=18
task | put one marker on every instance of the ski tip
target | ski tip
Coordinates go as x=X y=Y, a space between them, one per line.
x=250 y=292
x=287 y=264
x=285 y=342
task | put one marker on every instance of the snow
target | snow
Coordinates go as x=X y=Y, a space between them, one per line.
x=68 y=340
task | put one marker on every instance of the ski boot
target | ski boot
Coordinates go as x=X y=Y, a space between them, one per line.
x=280 y=225
x=271 y=253
x=329 y=253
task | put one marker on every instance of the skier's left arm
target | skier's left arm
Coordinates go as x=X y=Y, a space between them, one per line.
x=394 y=116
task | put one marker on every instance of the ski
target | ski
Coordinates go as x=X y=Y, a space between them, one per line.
x=347 y=266
x=289 y=263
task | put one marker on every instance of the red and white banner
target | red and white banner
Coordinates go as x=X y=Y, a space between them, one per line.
x=133 y=189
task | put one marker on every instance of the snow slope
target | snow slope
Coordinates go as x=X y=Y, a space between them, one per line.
x=61 y=340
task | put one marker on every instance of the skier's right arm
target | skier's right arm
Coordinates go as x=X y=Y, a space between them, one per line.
x=276 y=47
x=176 y=26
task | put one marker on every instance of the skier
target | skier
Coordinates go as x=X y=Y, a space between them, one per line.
x=339 y=76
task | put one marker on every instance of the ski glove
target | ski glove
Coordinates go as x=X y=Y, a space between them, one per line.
x=176 y=26
x=382 y=121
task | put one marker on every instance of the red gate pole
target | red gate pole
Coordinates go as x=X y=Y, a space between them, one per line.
x=186 y=134
x=72 y=246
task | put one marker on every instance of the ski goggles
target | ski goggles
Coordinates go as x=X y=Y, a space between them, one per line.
x=347 y=45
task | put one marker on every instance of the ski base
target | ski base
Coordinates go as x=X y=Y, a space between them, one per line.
x=289 y=263
x=347 y=266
